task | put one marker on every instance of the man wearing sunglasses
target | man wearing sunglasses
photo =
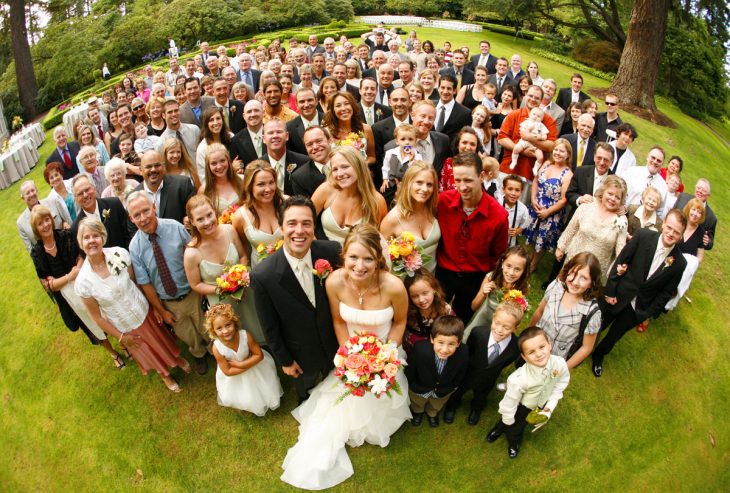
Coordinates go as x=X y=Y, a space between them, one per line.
x=609 y=119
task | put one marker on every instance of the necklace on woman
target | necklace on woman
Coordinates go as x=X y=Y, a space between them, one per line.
x=51 y=248
x=360 y=294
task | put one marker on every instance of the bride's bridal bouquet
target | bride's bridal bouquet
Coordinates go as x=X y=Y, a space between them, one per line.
x=365 y=364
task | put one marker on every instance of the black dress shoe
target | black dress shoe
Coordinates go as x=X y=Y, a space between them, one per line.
x=474 y=418
x=449 y=416
x=416 y=419
x=201 y=366
x=493 y=435
x=597 y=369
x=513 y=451
x=433 y=421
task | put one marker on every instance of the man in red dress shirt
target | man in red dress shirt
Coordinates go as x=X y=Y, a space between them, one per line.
x=509 y=135
x=473 y=234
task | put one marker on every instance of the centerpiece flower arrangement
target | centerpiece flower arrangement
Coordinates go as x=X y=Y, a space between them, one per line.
x=365 y=364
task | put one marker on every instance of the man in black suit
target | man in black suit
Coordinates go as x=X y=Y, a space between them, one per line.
x=434 y=147
x=191 y=111
x=370 y=111
x=246 y=74
x=170 y=192
x=499 y=78
x=702 y=192
x=383 y=131
x=573 y=93
x=484 y=58
x=282 y=160
x=462 y=76
x=309 y=115
x=483 y=369
x=339 y=72
x=643 y=279
x=586 y=179
x=64 y=153
x=451 y=116
x=385 y=84
x=608 y=120
x=291 y=304
x=232 y=110
x=307 y=177
x=109 y=211
x=248 y=144
x=378 y=59
x=582 y=143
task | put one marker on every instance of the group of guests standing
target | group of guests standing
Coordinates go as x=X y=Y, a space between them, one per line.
x=142 y=266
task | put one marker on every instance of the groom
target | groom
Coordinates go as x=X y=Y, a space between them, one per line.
x=291 y=301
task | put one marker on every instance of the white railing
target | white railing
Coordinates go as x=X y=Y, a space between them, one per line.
x=392 y=20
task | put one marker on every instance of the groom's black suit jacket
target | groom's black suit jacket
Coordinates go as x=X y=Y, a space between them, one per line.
x=295 y=330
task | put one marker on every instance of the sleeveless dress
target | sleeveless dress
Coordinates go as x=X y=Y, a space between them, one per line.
x=256 y=390
x=319 y=459
x=429 y=245
x=544 y=233
x=333 y=230
x=485 y=312
x=256 y=237
x=245 y=309
x=469 y=100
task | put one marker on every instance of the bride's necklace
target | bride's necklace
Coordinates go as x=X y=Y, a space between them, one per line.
x=360 y=294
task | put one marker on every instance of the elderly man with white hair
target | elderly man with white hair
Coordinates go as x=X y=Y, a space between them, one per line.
x=64 y=153
x=583 y=145
x=90 y=162
x=29 y=195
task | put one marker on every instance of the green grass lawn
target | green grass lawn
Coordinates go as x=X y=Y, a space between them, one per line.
x=656 y=421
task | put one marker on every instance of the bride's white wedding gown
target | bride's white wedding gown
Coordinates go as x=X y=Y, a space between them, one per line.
x=319 y=459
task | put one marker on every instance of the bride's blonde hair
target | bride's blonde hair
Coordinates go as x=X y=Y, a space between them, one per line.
x=369 y=237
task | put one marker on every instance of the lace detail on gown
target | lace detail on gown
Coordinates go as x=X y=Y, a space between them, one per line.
x=319 y=459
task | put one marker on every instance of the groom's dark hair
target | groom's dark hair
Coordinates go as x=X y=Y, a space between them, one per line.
x=297 y=201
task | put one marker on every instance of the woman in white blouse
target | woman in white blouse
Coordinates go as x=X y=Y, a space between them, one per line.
x=106 y=284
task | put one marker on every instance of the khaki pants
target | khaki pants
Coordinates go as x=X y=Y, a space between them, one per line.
x=189 y=327
x=431 y=405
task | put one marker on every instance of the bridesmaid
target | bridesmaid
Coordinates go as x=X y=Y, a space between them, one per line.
x=258 y=218
x=222 y=185
x=415 y=210
x=212 y=248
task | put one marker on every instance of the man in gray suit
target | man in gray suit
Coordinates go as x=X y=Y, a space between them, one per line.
x=29 y=195
x=191 y=111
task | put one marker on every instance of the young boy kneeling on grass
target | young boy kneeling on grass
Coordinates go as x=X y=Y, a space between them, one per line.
x=533 y=390
x=436 y=368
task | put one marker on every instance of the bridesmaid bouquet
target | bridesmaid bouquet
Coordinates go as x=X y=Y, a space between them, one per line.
x=227 y=216
x=356 y=140
x=405 y=256
x=516 y=296
x=263 y=250
x=233 y=282
x=365 y=364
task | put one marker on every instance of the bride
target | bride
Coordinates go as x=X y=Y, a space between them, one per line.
x=363 y=296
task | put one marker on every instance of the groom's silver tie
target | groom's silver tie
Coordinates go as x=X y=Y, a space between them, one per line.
x=306 y=280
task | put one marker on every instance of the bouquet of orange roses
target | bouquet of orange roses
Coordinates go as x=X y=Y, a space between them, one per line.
x=233 y=282
x=365 y=364
x=226 y=216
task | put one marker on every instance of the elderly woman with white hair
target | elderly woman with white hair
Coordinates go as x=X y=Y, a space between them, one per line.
x=159 y=90
x=57 y=262
x=105 y=283
x=87 y=137
x=120 y=186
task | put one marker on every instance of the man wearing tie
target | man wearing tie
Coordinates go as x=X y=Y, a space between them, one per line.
x=64 y=153
x=370 y=111
x=643 y=279
x=309 y=116
x=246 y=74
x=582 y=143
x=282 y=160
x=451 y=116
x=462 y=75
x=89 y=160
x=484 y=58
x=232 y=110
x=499 y=79
x=385 y=84
x=97 y=122
x=248 y=144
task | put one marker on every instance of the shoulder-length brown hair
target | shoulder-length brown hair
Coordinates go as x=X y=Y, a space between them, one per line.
x=438 y=307
x=404 y=199
x=578 y=262
x=253 y=169
x=205 y=133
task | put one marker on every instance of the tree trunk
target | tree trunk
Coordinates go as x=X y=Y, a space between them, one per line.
x=24 y=73
x=637 y=73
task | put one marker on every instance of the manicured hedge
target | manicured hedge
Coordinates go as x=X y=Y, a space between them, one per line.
x=572 y=63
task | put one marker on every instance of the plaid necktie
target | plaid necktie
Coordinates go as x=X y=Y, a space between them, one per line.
x=162 y=268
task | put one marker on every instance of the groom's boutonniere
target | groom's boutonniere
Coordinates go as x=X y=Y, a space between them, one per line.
x=322 y=269
x=379 y=113
x=291 y=167
x=233 y=109
x=668 y=261
x=105 y=214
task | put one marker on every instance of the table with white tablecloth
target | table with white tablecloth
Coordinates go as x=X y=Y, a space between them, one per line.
x=17 y=162
x=34 y=132
x=72 y=116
